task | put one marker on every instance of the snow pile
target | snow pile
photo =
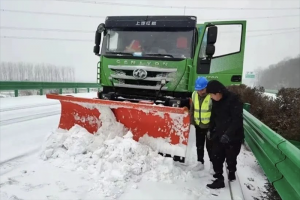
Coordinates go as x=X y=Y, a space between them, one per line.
x=163 y=145
x=112 y=158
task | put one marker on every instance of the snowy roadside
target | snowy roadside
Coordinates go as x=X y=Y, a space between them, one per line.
x=135 y=177
x=251 y=175
x=122 y=171
x=77 y=165
x=119 y=170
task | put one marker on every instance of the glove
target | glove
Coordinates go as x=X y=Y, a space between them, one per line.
x=224 y=139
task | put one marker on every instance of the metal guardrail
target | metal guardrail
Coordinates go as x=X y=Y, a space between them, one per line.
x=278 y=157
x=31 y=85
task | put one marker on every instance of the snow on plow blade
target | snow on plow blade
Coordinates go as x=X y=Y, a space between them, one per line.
x=155 y=125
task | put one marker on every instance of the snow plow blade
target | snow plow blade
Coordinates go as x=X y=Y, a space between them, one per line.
x=170 y=124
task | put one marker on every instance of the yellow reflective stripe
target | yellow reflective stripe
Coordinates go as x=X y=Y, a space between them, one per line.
x=197 y=110
x=205 y=110
x=205 y=118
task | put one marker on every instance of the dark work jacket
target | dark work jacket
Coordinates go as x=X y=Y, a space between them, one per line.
x=227 y=118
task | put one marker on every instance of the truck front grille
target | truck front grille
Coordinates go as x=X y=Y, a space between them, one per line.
x=123 y=77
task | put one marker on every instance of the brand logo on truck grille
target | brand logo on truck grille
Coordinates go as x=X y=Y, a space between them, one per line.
x=142 y=63
x=139 y=73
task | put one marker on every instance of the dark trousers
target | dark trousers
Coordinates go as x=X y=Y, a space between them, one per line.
x=201 y=136
x=220 y=152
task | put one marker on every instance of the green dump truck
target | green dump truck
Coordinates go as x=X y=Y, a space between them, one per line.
x=158 y=58
x=147 y=69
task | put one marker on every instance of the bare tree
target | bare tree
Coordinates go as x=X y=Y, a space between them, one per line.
x=21 y=71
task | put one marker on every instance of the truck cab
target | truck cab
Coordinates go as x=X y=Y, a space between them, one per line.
x=158 y=58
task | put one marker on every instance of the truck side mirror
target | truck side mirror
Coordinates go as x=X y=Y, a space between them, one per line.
x=203 y=65
x=100 y=29
x=212 y=33
x=97 y=43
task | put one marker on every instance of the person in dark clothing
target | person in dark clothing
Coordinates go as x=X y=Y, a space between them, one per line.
x=227 y=131
x=200 y=111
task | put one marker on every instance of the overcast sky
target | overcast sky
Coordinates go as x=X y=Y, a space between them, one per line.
x=267 y=47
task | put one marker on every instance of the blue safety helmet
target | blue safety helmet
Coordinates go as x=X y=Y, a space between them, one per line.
x=201 y=83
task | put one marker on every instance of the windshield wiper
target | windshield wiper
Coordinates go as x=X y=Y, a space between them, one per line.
x=119 y=52
x=159 y=54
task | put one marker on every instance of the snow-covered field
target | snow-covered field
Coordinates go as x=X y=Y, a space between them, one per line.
x=39 y=161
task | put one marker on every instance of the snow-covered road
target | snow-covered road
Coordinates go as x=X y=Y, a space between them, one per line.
x=27 y=122
x=39 y=116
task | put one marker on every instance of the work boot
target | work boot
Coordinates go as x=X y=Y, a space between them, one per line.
x=216 y=184
x=211 y=169
x=231 y=176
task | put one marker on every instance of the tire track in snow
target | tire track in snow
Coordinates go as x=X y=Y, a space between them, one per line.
x=14 y=162
x=28 y=106
x=28 y=117
x=20 y=156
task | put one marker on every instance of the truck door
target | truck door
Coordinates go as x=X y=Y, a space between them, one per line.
x=226 y=65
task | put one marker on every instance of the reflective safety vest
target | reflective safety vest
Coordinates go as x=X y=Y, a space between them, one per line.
x=205 y=109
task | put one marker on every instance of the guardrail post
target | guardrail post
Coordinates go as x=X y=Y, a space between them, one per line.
x=41 y=91
x=247 y=106
x=88 y=90
x=16 y=93
x=60 y=91
x=76 y=91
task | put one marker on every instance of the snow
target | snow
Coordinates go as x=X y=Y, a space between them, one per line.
x=23 y=126
x=39 y=161
x=111 y=156
x=178 y=126
x=119 y=168
x=271 y=95
x=251 y=175
x=163 y=145
x=3 y=96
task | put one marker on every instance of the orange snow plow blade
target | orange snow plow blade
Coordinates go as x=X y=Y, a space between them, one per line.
x=169 y=123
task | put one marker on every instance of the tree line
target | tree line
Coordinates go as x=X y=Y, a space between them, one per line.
x=285 y=74
x=20 y=71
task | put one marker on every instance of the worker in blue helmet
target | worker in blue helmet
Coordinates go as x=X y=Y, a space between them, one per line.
x=200 y=112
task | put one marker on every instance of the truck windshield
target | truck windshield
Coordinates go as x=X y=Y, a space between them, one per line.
x=175 y=44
